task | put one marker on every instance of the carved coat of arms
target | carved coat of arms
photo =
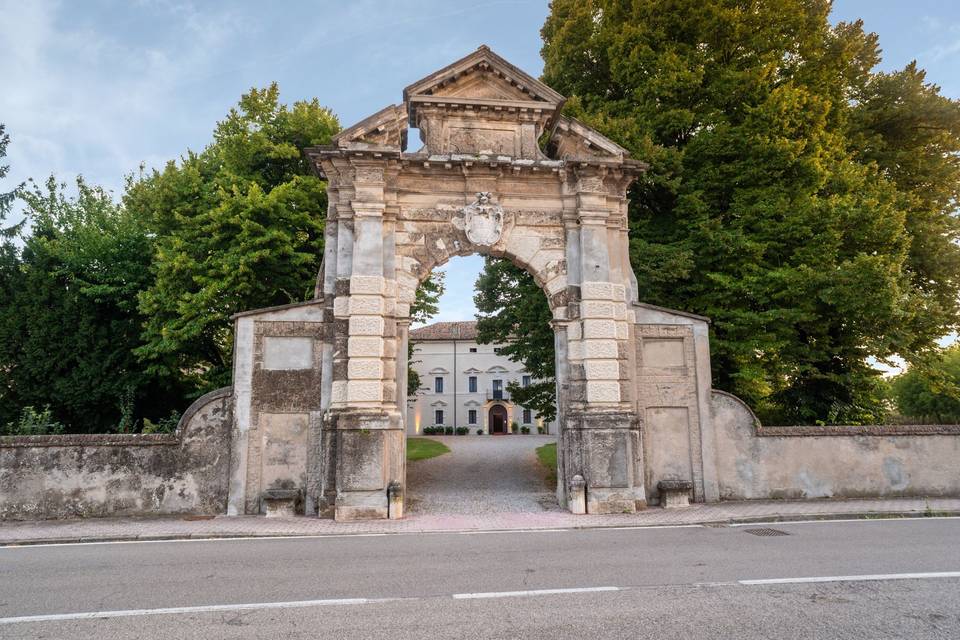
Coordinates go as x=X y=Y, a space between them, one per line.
x=483 y=220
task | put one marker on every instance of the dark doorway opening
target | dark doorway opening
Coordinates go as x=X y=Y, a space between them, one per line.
x=499 y=422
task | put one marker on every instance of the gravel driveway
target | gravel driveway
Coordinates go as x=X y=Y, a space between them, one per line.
x=481 y=474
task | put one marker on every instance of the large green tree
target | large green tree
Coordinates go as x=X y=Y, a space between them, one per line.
x=801 y=200
x=68 y=314
x=912 y=133
x=513 y=312
x=10 y=280
x=238 y=226
x=424 y=307
x=6 y=198
x=931 y=392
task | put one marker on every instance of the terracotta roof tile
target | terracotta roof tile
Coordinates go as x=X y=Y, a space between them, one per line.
x=446 y=331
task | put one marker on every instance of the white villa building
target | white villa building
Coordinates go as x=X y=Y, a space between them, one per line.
x=464 y=383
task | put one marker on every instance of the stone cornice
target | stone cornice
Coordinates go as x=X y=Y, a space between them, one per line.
x=319 y=155
x=483 y=108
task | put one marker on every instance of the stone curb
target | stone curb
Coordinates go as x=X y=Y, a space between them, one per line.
x=785 y=518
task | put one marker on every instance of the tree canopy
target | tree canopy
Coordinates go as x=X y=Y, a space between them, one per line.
x=238 y=226
x=425 y=306
x=931 y=393
x=803 y=201
x=513 y=312
x=6 y=198
x=68 y=318
x=112 y=315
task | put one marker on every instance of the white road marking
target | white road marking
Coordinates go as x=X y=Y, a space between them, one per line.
x=535 y=592
x=880 y=517
x=863 y=578
x=128 y=613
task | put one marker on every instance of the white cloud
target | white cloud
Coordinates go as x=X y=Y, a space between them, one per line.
x=79 y=95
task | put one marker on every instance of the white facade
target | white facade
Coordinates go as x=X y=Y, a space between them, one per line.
x=464 y=383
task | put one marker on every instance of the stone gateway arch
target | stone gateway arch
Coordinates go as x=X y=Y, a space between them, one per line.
x=314 y=421
x=320 y=387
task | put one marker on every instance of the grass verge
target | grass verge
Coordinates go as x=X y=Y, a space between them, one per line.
x=424 y=448
x=547 y=455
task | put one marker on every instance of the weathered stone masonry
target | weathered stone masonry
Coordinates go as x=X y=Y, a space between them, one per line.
x=394 y=216
x=314 y=421
x=121 y=474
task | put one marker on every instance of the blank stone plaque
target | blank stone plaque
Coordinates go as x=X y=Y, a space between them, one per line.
x=281 y=353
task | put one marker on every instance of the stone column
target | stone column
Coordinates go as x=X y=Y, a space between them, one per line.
x=561 y=377
x=601 y=425
x=364 y=408
x=403 y=349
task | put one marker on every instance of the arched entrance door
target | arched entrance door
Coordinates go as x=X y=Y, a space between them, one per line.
x=499 y=422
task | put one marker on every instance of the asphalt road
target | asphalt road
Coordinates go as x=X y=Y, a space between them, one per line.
x=880 y=579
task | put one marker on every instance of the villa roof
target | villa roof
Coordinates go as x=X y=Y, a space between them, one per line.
x=446 y=331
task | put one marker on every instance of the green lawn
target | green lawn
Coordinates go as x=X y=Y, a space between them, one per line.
x=423 y=448
x=547 y=454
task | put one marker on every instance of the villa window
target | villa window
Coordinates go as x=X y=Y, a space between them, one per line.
x=498 y=389
x=438 y=384
x=473 y=349
x=472 y=416
x=472 y=384
x=526 y=381
x=527 y=416
x=438 y=416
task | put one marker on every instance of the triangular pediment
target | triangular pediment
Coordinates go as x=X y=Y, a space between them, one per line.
x=385 y=128
x=573 y=140
x=483 y=75
x=480 y=85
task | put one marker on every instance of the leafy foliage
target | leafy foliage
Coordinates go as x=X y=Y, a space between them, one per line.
x=802 y=201
x=425 y=306
x=68 y=313
x=113 y=315
x=163 y=425
x=33 y=423
x=239 y=226
x=513 y=311
x=931 y=390
x=427 y=301
x=7 y=198
x=912 y=133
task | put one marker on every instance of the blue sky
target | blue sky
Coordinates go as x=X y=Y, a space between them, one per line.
x=97 y=88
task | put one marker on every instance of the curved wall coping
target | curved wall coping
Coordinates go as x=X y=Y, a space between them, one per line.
x=808 y=431
x=862 y=430
x=118 y=439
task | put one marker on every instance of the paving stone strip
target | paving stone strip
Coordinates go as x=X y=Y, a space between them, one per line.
x=132 y=529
